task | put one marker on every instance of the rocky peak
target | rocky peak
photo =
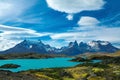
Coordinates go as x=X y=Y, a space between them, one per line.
x=73 y=44
x=82 y=44
x=40 y=42
x=72 y=49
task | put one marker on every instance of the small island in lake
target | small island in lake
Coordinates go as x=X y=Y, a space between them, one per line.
x=8 y=66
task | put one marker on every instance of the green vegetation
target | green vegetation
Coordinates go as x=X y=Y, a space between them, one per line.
x=80 y=59
x=98 y=65
x=28 y=56
x=108 y=69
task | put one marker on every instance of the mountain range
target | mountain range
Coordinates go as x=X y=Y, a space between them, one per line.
x=73 y=48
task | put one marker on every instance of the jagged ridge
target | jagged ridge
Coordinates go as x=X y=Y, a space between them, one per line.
x=73 y=48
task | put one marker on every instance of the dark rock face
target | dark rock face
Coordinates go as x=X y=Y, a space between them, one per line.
x=84 y=47
x=73 y=48
x=93 y=46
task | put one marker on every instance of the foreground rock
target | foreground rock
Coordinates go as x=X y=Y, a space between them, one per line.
x=8 y=75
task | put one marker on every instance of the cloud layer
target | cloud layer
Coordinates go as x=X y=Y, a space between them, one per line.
x=10 y=9
x=16 y=32
x=75 y=6
x=106 y=34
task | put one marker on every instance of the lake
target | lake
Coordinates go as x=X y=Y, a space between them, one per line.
x=27 y=64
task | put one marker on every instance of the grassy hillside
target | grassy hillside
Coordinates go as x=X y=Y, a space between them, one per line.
x=28 y=56
x=108 y=69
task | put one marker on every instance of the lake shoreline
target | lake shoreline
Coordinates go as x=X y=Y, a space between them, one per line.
x=108 y=69
x=29 y=56
x=27 y=64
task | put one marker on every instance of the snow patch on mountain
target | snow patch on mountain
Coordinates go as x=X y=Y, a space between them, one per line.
x=73 y=48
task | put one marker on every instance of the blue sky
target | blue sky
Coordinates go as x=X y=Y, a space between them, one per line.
x=58 y=22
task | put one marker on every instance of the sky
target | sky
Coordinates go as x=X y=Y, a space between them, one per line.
x=58 y=22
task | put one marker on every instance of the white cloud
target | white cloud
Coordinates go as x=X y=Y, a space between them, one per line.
x=29 y=20
x=16 y=32
x=88 y=21
x=106 y=34
x=6 y=44
x=71 y=36
x=69 y=17
x=10 y=29
x=75 y=6
x=14 y=8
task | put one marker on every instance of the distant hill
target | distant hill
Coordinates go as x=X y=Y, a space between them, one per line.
x=73 y=48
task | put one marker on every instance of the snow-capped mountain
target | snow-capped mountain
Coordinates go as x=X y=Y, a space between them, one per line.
x=73 y=48
x=102 y=46
x=28 y=46
x=93 y=46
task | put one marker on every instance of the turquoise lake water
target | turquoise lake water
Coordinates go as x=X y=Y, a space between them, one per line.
x=27 y=64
